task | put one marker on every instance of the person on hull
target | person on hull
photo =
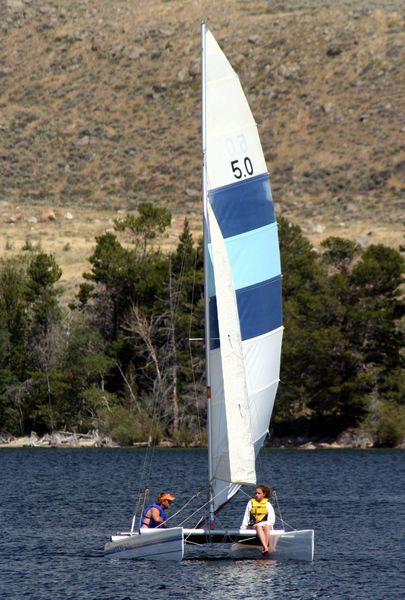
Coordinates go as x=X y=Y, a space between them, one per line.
x=154 y=515
x=259 y=515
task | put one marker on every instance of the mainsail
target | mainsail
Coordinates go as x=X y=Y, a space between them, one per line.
x=244 y=274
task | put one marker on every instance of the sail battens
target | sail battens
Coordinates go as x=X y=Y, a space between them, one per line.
x=233 y=76
x=265 y=336
x=265 y=388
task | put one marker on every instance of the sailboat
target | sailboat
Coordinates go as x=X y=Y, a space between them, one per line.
x=243 y=321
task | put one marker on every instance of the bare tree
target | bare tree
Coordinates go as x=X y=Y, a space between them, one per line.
x=147 y=328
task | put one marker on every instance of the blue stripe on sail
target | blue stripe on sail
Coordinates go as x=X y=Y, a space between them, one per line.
x=259 y=307
x=254 y=256
x=243 y=206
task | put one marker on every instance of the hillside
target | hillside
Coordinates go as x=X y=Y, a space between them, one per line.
x=100 y=109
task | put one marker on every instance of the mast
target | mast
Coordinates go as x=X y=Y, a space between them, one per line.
x=206 y=259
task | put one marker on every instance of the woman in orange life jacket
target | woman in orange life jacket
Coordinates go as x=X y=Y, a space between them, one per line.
x=259 y=515
x=154 y=515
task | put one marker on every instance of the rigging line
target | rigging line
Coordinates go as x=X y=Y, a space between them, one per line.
x=200 y=508
x=149 y=454
x=274 y=494
x=190 y=347
x=245 y=493
x=145 y=495
x=144 y=468
x=183 y=507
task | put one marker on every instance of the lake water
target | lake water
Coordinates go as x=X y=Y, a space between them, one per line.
x=58 y=507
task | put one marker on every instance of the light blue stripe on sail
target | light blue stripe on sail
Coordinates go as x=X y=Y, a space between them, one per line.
x=254 y=257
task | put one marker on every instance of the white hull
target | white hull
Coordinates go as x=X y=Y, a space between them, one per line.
x=169 y=544
x=292 y=545
x=148 y=544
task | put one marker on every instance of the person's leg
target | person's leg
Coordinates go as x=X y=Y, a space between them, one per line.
x=273 y=539
x=266 y=535
x=261 y=534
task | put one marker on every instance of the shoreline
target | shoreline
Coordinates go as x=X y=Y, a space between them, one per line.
x=354 y=439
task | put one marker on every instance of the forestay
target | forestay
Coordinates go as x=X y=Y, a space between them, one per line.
x=246 y=245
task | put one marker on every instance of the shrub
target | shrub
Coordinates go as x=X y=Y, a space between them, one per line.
x=389 y=428
x=128 y=427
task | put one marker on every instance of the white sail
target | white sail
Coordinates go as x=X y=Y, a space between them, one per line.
x=234 y=458
x=239 y=195
x=231 y=130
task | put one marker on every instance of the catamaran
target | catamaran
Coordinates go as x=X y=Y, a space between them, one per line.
x=243 y=321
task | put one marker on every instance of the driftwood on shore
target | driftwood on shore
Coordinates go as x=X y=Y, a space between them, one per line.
x=58 y=439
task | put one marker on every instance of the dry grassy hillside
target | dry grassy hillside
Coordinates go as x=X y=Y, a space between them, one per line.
x=100 y=108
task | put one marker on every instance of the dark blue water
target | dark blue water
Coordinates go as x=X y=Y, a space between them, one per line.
x=58 y=508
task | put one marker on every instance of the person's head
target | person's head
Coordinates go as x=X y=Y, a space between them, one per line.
x=165 y=499
x=262 y=491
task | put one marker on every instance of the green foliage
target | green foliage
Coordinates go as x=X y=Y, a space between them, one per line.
x=86 y=369
x=120 y=360
x=393 y=386
x=109 y=260
x=43 y=272
x=126 y=277
x=151 y=221
x=184 y=437
x=298 y=260
x=47 y=407
x=339 y=253
x=341 y=340
x=127 y=427
x=388 y=428
x=379 y=272
x=9 y=409
x=13 y=304
x=96 y=401
x=84 y=295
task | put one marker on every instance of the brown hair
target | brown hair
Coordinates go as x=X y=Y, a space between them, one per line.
x=265 y=489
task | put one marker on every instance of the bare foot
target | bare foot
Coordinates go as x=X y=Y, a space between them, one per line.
x=265 y=550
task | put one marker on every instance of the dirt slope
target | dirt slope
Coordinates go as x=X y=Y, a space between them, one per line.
x=100 y=109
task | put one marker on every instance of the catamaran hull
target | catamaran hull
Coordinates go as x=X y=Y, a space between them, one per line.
x=293 y=545
x=149 y=544
x=177 y=543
